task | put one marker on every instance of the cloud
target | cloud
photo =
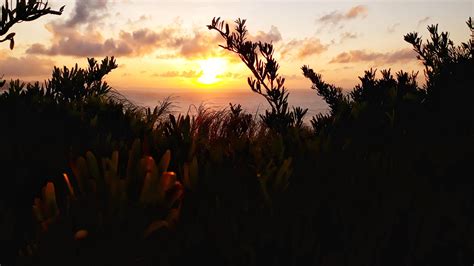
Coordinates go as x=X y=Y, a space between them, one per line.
x=69 y=38
x=336 y=17
x=356 y=11
x=198 y=45
x=196 y=74
x=203 y=44
x=86 y=12
x=354 y=56
x=423 y=21
x=272 y=36
x=72 y=42
x=392 y=28
x=27 y=66
x=347 y=36
x=303 y=48
x=182 y=74
x=75 y=43
x=136 y=22
x=79 y=36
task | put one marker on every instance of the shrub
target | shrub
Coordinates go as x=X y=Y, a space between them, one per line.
x=119 y=211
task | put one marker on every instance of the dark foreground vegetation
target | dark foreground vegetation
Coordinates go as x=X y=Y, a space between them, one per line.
x=385 y=178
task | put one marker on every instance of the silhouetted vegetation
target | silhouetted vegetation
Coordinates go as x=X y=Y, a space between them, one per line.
x=382 y=179
x=22 y=11
x=266 y=80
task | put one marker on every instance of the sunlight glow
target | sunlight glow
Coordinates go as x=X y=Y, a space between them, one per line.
x=211 y=68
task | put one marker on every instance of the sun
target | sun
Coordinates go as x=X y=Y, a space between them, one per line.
x=211 y=68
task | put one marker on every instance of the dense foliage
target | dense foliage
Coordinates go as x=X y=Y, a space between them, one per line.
x=382 y=179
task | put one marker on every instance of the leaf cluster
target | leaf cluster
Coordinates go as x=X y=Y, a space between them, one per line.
x=23 y=10
x=266 y=81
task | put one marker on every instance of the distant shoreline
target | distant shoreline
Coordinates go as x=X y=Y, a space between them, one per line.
x=251 y=102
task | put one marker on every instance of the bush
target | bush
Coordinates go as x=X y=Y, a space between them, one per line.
x=45 y=126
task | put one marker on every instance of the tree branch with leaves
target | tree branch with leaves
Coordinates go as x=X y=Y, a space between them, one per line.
x=266 y=81
x=23 y=10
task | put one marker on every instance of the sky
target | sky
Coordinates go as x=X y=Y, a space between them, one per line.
x=166 y=46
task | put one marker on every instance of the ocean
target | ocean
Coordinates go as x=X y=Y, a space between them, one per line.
x=187 y=101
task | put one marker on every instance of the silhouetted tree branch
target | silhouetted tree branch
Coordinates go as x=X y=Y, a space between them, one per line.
x=330 y=93
x=24 y=10
x=258 y=57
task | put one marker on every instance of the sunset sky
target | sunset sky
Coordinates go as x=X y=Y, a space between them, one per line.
x=165 y=45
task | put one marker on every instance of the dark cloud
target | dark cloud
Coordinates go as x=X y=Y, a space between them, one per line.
x=86 y=12
x=303 y=48
x=353 y=56
x=423 y=21
x=336 y=17
x=27 y=66
x=392 y=28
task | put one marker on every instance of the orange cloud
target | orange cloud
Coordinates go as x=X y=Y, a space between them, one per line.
x=353 y=56
x=303 y=48
x=356 y=12
x=199 y=45
x=27 y=66
x=272 y=36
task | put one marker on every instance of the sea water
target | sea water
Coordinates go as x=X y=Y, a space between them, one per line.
x=186 y=101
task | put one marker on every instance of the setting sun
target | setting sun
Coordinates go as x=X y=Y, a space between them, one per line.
x=211 y=68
